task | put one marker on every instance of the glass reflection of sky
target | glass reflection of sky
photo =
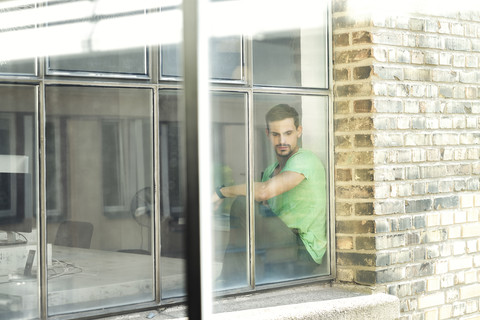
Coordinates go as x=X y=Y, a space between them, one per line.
x=28 y=29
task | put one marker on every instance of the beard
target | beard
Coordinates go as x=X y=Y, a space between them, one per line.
x=283 y=150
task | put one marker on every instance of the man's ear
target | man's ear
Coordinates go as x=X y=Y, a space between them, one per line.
x=267 y=132
x=300 y=131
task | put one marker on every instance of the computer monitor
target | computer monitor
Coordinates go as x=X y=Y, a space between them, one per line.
x=16 y=197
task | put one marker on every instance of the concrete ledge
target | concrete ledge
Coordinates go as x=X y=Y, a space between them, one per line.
x=377 y=306
x=313 y=301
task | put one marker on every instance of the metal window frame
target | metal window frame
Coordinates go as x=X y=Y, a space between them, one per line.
x=196 y=300
x=155 y=82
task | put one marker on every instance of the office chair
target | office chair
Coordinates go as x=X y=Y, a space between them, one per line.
x=74 y=234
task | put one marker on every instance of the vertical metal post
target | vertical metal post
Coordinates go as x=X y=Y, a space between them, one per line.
x=198 y=137
x=331 y=154
x=250 y=192
x=155 y=236
x=250 y=161
x=42 y=219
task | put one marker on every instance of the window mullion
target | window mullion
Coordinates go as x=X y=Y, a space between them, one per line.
x=248 y=67
x=42 y=208
x=250 y=194
x=156 y=221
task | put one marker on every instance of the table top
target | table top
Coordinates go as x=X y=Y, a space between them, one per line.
x=81 y=279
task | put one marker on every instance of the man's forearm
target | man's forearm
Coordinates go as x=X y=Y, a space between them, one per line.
x=260 y=191
x=234 y=191
x=266 y=190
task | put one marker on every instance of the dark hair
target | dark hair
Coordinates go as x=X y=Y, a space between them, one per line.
x=281 y=112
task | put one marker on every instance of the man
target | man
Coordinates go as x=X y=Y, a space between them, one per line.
x=292 y=210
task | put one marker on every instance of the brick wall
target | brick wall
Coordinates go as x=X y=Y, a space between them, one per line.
x=407 y=150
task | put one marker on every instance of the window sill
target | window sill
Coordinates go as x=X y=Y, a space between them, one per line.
x=315 y=301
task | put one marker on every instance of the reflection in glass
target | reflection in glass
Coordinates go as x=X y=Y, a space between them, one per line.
x=229 y=132
x=172 y=186
x=11 y=21
x=226 y=52
x=99 y=44
x=132 y=62
x=18 y=68
x=87 y=38
x=99 y=155
x=292 y=58
x=18 y=234
x=291 y=148
x=53 y=138
x=230 y=219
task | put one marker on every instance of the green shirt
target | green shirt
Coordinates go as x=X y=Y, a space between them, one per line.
x=304 y=207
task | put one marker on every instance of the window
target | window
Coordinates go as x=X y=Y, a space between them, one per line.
x=270 y=229
x=100 y=89
x=18 y=188
x=108 y=161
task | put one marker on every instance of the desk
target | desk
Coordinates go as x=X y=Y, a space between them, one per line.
x=84 y=279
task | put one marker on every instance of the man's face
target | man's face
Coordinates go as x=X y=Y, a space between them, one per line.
x=284 y=136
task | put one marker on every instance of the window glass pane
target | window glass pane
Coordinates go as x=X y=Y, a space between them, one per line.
x=104 y=40
x=291 y=224
x=230 y=219
x=172 y=196
x=132 y=62
x=226 y=52
x=294 y=57
x=171 y=65
x=229 y=167
x=14 y=21
x=18 y=67
x=100 y=157
x=18 y=233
